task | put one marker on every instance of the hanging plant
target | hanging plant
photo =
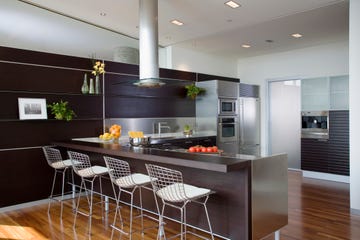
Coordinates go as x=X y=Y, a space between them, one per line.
x=192 y=90
x=61 y=110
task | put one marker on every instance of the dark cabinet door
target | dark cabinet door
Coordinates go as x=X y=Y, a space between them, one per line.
x=331 y=156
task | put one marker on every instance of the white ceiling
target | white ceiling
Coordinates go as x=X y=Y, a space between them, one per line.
x=212 y=27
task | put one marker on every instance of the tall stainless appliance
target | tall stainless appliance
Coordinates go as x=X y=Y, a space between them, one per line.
x=249 y=119
x=217 y=110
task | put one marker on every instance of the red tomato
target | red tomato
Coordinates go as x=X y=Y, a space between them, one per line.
x=192 y=149
x=215 y=149
x=209 y=149
x=197 y=149
x=203 y=149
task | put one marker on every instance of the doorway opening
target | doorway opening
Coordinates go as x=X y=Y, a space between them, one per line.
x=284 y=119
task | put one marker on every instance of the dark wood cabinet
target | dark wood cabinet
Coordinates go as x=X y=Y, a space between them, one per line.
x=332 y=155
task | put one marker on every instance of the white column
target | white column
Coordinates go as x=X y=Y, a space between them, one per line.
x=354 y=101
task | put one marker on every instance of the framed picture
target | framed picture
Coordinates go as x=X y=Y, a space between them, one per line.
x=32 y=108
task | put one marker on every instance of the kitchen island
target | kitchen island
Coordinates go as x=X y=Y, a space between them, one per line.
x=251 y=194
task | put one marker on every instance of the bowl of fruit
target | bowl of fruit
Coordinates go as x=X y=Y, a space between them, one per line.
x=203 y=149
x=137 y=138
x=113 y=134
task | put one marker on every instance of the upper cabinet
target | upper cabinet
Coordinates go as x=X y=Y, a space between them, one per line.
x=325 y=93
x=339 y=93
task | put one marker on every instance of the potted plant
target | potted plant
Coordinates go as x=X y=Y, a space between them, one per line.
x=187 y=130
x=192 y=90
x=61 y=110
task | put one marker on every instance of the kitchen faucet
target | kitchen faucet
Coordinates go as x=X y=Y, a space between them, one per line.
x=162 y=125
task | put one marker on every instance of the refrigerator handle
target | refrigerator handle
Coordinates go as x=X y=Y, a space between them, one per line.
x=241 y=122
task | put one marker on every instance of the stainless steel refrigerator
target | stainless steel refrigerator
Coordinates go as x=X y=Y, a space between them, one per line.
x=249 y=125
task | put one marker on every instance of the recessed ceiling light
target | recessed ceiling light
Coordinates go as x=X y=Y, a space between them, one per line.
x=177 y=22
x=245 y=45
x=296 y=35
x=102 y=14
x=232 y=4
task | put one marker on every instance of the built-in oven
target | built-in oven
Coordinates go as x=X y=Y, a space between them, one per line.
x=315 y=124
x=227 y=106
x=227 y=129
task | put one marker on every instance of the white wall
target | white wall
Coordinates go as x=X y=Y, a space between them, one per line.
x=323 y=60
x=354 y=85
x=193 y=61
x=28 y=27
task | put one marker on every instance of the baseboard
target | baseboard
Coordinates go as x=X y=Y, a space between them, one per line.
x=326 y=176
x=355 y=211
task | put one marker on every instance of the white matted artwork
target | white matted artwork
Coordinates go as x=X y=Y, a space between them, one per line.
x=32 y=108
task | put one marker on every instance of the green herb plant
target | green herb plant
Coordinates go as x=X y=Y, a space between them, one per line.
x=61 y=110
x=192 y=90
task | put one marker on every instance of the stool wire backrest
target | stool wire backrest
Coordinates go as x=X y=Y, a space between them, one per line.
x=170 y=179
x=118 y=170
x=81 y=163
x=52 y=156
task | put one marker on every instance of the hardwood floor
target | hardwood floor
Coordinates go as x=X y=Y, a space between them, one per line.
x=318 y=210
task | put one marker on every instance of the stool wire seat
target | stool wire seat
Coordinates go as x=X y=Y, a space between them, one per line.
x=82 y=167
x=127 y=182
x=169 y=187
x=55 y=160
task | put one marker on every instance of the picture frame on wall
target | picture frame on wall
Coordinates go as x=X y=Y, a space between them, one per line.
x=32 y=108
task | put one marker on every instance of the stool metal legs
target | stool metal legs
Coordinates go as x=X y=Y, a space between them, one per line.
x=89 y=201
x=183 y=224
x=51 y=197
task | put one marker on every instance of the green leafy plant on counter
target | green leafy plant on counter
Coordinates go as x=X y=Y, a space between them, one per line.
x=61 y=110
x=192 y=90
x=187 y=130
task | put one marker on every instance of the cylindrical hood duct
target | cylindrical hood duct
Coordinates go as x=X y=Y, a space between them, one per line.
x=148 y=44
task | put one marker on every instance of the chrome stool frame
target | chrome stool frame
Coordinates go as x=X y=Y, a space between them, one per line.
x=168 y=185
x=121 y=176
x=55 y=160
x=88 y=174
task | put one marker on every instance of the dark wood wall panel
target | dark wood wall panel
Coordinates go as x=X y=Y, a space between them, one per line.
x=42 y=132
x=24 y=176
x=207 y=77
x=21 y=77
x=50 y=59
x=123 y=99
x=330 y=156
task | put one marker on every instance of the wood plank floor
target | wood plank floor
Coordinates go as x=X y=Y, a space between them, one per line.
x=318 y=210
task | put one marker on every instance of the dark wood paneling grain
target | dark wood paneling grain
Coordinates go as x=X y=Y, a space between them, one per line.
x=24 y=176
x=123 y=99
x=42 y=58
x=206 y=77
x=19 y=77
x=31 y=133
x=176 y=74
x=330 y=156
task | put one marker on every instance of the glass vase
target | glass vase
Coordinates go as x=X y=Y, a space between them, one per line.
x=91 y=87
x=97 y=85
x=85 y=86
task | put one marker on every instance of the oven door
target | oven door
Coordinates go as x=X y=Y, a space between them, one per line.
x=227 y=106
x=227 y=129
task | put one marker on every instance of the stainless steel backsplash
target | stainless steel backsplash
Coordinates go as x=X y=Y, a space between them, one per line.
x=149 y=125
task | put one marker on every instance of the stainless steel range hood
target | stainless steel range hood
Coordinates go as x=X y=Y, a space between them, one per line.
x=148 y=44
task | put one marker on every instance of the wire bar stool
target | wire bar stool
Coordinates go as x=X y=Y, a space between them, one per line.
x=127 y=182
x=168 y=185
x=88 y=174
x=55 y=160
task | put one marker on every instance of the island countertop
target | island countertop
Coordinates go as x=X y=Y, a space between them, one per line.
x=221 y=162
